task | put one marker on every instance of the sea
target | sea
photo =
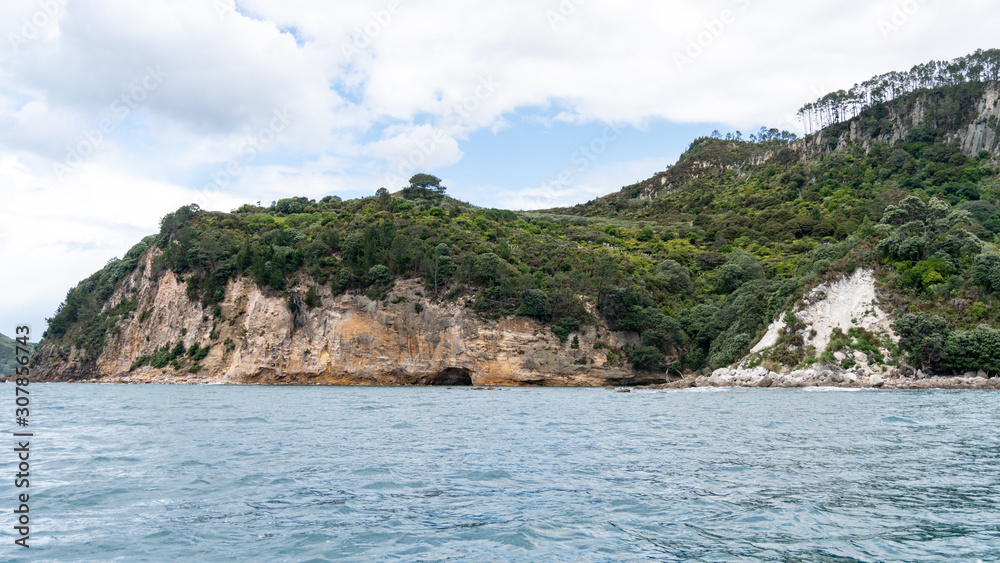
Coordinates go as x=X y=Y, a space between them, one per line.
x=245 y=473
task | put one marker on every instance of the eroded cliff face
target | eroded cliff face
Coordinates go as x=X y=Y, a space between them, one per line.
x=981 y=134
x=347 y=340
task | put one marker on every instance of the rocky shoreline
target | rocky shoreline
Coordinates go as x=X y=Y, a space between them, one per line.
x=825 y=375
x=820 y=375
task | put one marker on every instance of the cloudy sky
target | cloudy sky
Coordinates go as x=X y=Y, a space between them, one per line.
x=115 y=112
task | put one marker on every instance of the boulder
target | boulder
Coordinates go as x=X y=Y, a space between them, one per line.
x=981 y=374
x=876 y=381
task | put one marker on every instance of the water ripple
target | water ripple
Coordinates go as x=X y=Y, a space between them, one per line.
x=222 y=473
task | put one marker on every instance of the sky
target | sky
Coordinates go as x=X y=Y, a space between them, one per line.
x=114 y=112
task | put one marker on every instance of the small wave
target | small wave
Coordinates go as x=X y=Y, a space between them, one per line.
x=896 y=419
x=835 y=389
x=702 y=390
x=249 y=419
x=383 y=485
x=486 y=475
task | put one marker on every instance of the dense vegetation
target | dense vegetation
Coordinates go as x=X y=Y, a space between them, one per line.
x=8 y=361
x=836 y=107
x=694 y=262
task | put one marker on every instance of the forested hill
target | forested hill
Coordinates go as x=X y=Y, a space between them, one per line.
x=8 y=356
x=693 y=263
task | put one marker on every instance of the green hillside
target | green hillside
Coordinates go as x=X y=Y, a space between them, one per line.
x=8 y=361
x=696 y=261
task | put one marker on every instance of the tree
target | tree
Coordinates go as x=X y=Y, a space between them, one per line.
x=922 y=336
x=424 y=185
x=976 y=349
x=605 y=272
x=646 y=358
x=674 y=276
x=379 y=275
x=835 y=107
x=490 y=268
x=739 y=268
x=535 y=304
x=986 y=271
x=425 y=181
x=443 y=264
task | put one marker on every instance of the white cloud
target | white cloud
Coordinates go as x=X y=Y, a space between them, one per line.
x=584 y=185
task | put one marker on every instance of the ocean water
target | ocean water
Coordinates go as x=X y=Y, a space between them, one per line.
x=220 y=473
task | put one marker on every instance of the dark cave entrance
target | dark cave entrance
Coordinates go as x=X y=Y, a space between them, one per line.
x=452 y=376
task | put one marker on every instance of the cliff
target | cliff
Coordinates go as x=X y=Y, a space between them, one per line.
x=683 y=273
x=254 y=337
x=966 y=115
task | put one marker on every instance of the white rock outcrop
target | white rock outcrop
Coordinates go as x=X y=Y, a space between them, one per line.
x=848 y=303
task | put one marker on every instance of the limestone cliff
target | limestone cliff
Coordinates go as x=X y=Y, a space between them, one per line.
x=972 y=124
x=254 y=337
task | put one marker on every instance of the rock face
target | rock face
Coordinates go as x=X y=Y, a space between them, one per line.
x=845 y=304
x=982 y=134
x=347 y=340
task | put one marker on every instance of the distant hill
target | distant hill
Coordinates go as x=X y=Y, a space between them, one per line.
x=7 y=351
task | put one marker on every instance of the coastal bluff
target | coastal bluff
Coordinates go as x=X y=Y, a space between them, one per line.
x=258 y=337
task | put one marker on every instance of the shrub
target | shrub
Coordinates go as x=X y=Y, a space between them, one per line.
x=489 y=268
x=161 y=358
x=565 y=326
x=740 y=267
x=535 y=304
x=922 y=337
x=976 y=349
x=926 y=273
x=178 y=350
x=312 y=297
x=200 y=354
x=454 y=292
x=646 y=358
x=674 y=277
x=139 y=362
x=379 y=275
x=986 y=271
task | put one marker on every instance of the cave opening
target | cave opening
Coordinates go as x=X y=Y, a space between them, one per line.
x=453 y=376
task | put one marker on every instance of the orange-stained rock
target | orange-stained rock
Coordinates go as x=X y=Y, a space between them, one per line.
x=347 y=340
